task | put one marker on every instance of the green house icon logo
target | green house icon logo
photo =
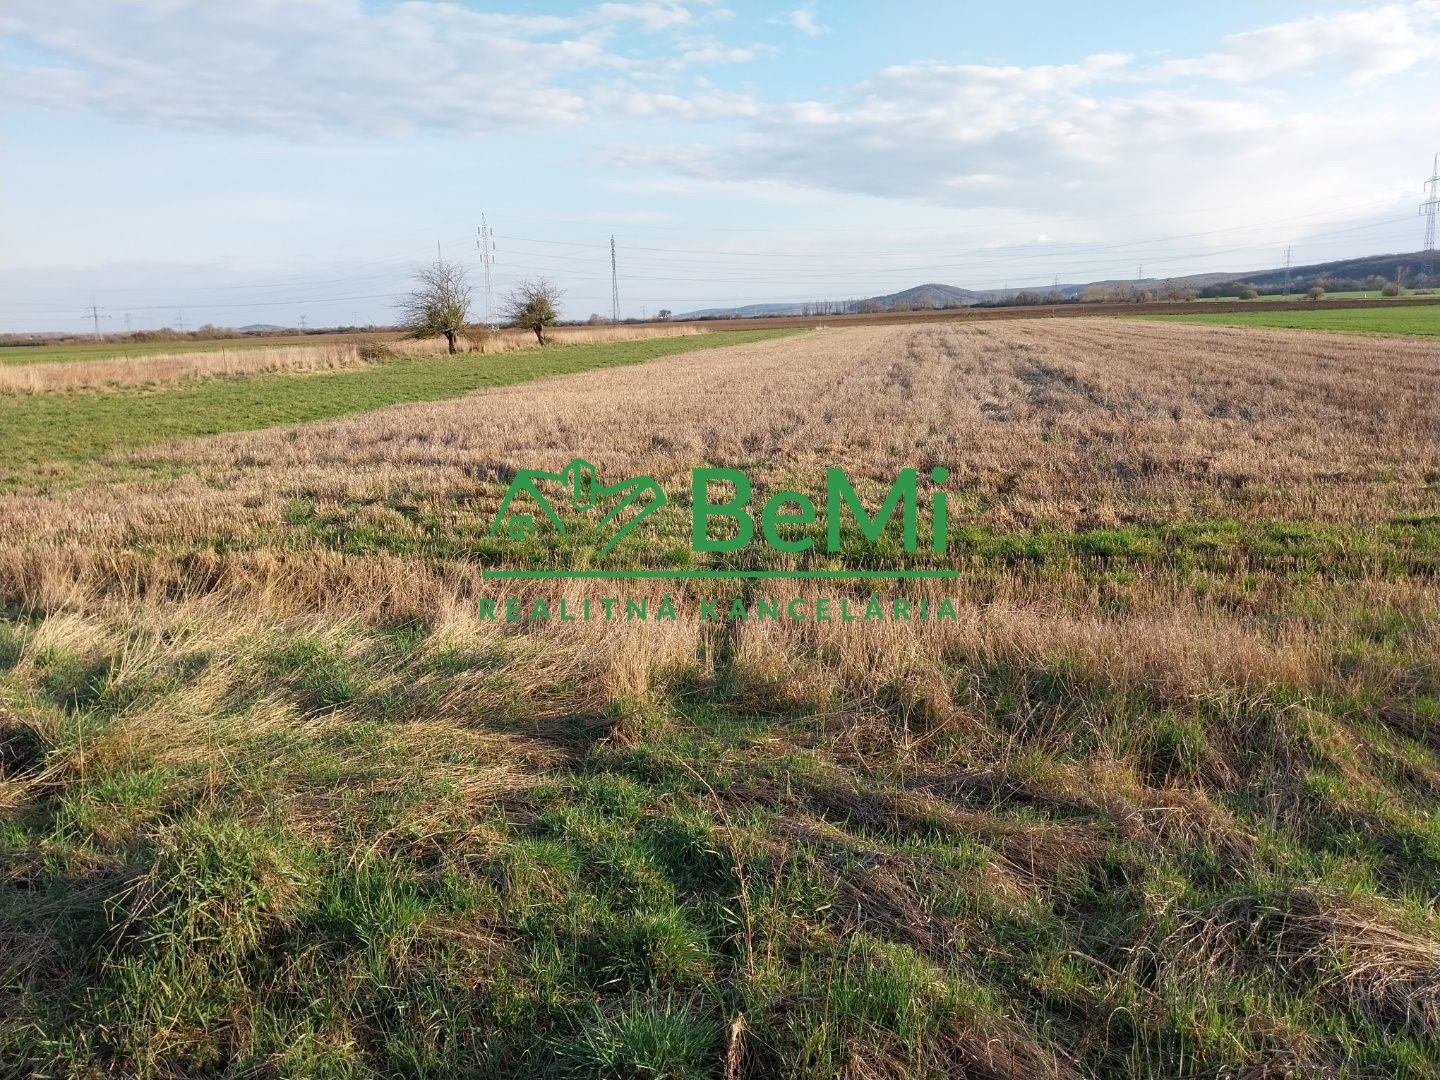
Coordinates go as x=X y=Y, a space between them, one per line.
x=576 y=489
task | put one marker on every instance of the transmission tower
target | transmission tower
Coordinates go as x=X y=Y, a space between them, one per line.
x=486 y=243
x=95 y=316
x=614 y=285
x=1287 y=271
x=1428 y=209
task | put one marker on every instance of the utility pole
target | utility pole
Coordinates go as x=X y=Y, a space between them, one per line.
x=437 y=253
x=486 y=243
x=1428 y=209
x=95 y=316
x=1287 y=271
x=614 y=285
x=182 y=322
x=302 y=324
x=127 y=322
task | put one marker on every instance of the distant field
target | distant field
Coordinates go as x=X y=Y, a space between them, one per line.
x=100 y=350
x=1417 y=321
x=502 y=340
x=75 y=426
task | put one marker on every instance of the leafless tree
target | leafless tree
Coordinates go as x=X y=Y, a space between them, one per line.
x=439 y=306
x=531 y=304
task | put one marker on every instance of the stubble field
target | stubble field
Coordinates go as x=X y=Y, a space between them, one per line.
x=1160 y=800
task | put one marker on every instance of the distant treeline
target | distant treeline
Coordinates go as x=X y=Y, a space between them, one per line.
x=1325 y=282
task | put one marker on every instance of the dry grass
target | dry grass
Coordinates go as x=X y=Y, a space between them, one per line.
x=178 y=367
x=508 y=339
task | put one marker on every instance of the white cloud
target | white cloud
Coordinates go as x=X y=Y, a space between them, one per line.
x=344 y=66
x=709 y=104
x=709 y=51
x=652 y=16
x=1112 y=129
x=1360 y=46
x=1107 y=132
x=806 y=20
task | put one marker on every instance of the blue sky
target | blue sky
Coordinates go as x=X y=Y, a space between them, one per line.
x=260 y=162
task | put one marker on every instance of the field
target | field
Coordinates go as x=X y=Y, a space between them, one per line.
x=1159 y=798
x=1417 y=321
x=502 y=340
x=69 y=352
x=42 y=423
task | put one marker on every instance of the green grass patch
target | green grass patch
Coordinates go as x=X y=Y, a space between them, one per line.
x=75 y=427
x=1411 y=320
x=329 y=897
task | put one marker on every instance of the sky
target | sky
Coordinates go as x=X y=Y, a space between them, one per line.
x=275 y=161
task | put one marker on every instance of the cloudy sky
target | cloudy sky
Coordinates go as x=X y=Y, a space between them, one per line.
x=273 y=159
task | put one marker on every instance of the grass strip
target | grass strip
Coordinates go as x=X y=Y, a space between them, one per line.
x=86 y=425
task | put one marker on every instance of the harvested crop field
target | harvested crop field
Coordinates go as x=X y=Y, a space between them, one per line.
x=1162 y=798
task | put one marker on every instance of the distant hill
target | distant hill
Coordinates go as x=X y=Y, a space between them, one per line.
x=935 y=295
x=1385 y=266
x=930 y=296
x=749 y=311
x=263 y=328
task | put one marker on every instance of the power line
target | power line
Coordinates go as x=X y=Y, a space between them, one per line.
x=614 y=284
x=95 y=316
x=1287 y=270
x=806 y=272
x=1429 y=208
x=486 y=244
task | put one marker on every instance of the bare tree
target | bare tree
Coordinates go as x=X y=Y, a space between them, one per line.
x=439 y=306
x=531 y=304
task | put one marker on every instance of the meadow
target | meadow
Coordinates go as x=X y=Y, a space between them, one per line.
x=80 y=410
x=1414 y=321
x=1162 y=799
